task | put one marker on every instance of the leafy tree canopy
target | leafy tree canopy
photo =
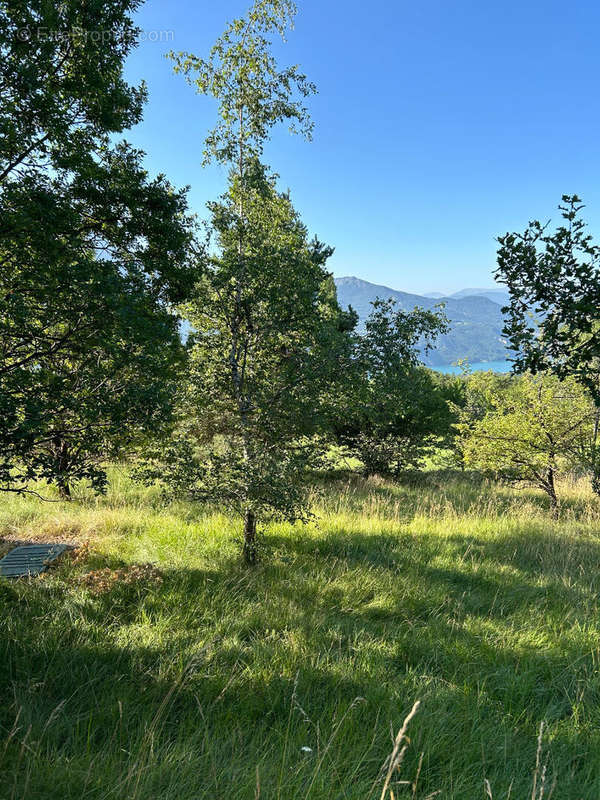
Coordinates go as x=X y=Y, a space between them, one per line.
x=93 y=251
x=266 y=321
x=554 y=284
x=252 y=92
x=265 y=346
x=391 y=409
x=528 y=428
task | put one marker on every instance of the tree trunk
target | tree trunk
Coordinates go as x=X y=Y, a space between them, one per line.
x=64 y=490
x=595 y=464
x=250 y=554
x=551 y=490
x=61 y=452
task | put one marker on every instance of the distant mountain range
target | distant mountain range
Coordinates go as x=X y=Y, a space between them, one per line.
x=496 y=295
x=475 y=315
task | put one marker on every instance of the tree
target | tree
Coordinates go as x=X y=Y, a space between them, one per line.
x=102 y=400
x=259 y=366
x=264 y=318
x=93 y=252
x=392 y=411
x=553 y=319
x=529 y=428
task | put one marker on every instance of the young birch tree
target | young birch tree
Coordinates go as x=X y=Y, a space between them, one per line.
x=265 y=321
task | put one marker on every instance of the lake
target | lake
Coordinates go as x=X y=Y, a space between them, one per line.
x=485 y=366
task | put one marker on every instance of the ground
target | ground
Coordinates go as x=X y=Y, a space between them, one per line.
x=153 y=664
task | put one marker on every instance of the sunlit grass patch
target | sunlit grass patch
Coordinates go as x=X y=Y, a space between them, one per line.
x=285 y=681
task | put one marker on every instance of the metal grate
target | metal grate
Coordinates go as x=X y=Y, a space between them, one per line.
x=30 y=559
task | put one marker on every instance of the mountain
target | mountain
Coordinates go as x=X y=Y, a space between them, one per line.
x=476 y=321
x=500 y=296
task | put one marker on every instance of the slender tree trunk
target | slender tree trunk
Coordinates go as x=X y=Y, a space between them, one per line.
x=61 y=449
x=250 y=554
x=551 y=490
x=249 y=548
x=595 y=464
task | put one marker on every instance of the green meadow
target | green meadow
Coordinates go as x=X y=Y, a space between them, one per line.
x=199 y=677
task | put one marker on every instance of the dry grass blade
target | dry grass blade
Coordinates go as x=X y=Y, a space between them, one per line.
x=538 y=790
x=538 y=758
x=540 y=774
x=257 y=792
x=399 y=749
x=416 y=780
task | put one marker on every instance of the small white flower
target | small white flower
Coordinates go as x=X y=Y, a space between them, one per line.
x=306 y=749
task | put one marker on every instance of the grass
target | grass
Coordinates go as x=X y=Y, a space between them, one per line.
x=292 y=680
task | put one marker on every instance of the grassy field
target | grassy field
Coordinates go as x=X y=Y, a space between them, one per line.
x=210 y=680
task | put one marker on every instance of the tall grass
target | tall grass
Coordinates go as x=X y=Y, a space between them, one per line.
x=292 y=680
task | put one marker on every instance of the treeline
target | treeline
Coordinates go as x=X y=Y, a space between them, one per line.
x=100 y=263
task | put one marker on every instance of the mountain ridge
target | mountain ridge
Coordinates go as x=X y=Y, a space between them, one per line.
x=476 y=321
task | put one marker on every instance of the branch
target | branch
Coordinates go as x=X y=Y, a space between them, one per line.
x=6 y=172
x=23 y=491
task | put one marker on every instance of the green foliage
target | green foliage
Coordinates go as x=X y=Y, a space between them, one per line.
x=554 y=284
x=262 y=352
x=525 y=429
x=62 y=82
x=253 y=94
x=553 y=322
x=265 y=319
x=93 y=250
x=454 y=391
x=391 y=411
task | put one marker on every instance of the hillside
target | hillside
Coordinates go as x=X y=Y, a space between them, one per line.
x=476 y=320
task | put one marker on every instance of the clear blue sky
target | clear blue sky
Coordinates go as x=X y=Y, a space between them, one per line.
x=439 y=125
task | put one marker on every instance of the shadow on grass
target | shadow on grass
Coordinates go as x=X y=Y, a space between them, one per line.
x=234 y=647
x=493 y=634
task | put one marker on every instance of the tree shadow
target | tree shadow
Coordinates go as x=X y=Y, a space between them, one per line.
x=381 y=617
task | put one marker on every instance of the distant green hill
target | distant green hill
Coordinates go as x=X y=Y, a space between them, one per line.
x=476 y=320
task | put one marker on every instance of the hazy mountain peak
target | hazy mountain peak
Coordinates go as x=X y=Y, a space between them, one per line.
x=475 y=317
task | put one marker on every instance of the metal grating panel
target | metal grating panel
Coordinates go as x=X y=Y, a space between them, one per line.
x=30 y=559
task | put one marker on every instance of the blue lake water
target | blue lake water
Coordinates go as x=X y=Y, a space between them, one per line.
x=485 y=366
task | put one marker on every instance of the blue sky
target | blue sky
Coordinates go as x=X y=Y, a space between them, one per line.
x=439 y=125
